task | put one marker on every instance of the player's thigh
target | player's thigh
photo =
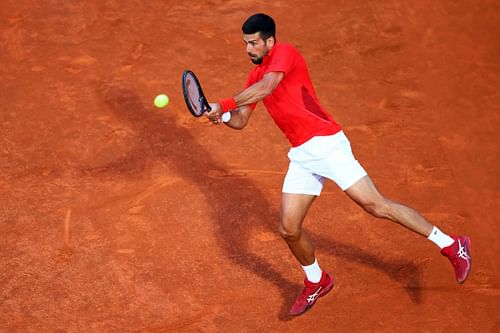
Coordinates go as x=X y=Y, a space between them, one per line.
x=364 y=193
x=300 y=187
x=294 y=208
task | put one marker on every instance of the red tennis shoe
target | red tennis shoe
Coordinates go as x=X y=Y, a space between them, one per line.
x=311 y=293
x=459 y=255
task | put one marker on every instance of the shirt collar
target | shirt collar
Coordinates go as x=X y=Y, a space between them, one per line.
x=268 y=57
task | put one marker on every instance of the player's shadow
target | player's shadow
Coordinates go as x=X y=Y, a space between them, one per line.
x=402 y=270
x=238 y=205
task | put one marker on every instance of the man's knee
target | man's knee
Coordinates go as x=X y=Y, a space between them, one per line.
x=378 y=208
x=289 y=230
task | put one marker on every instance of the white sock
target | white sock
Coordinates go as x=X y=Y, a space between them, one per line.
x=313 y=272
x=439 y=238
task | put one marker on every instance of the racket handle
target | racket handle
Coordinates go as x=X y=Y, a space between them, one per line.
x=226 y=116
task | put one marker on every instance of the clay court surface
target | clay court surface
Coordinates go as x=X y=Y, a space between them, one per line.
x=116 y=216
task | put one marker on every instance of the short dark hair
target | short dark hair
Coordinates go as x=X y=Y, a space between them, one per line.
x=260 y=23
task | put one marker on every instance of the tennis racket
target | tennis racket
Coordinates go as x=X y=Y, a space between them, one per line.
x=194 y=97
x=193 y=94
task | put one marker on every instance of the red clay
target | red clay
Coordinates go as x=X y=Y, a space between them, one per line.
x=119 y=217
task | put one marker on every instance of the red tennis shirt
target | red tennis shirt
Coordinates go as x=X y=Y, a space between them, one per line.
x=293 y=104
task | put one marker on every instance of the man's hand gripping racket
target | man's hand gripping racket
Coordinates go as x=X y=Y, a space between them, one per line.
x=195 y=100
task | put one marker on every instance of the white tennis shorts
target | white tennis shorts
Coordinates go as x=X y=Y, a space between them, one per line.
x=319 y=158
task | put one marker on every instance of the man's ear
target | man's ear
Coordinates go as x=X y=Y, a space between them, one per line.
x=270 y=42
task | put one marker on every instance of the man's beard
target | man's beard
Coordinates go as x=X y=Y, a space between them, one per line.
x=257 y=61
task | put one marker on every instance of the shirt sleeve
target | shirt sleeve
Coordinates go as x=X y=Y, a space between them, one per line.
x=283 y=59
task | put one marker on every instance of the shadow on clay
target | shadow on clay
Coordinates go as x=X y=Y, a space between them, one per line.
x=176 y=147
x=402 y=271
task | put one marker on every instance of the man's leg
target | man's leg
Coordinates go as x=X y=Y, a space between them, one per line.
x=456 y=248
x=294 y=208
x=365 y=194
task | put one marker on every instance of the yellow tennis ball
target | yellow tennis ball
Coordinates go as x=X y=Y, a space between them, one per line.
x=161 y=101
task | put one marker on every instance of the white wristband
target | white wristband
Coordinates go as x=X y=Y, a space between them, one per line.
x=226 y=116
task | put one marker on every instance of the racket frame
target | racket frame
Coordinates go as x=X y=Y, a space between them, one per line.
x=202 y=100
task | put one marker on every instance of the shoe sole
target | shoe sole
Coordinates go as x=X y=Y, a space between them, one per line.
x=325 y=291
x=469 y=249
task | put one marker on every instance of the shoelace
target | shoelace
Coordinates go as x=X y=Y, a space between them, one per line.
x=310 y=293
x=462 y=252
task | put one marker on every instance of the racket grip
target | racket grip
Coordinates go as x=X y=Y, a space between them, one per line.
x=226 y=116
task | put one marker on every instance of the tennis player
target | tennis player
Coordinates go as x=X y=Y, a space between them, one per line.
x=319 y=150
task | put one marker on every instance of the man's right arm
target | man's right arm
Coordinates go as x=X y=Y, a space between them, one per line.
x=251 y=95
x=260 y=89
